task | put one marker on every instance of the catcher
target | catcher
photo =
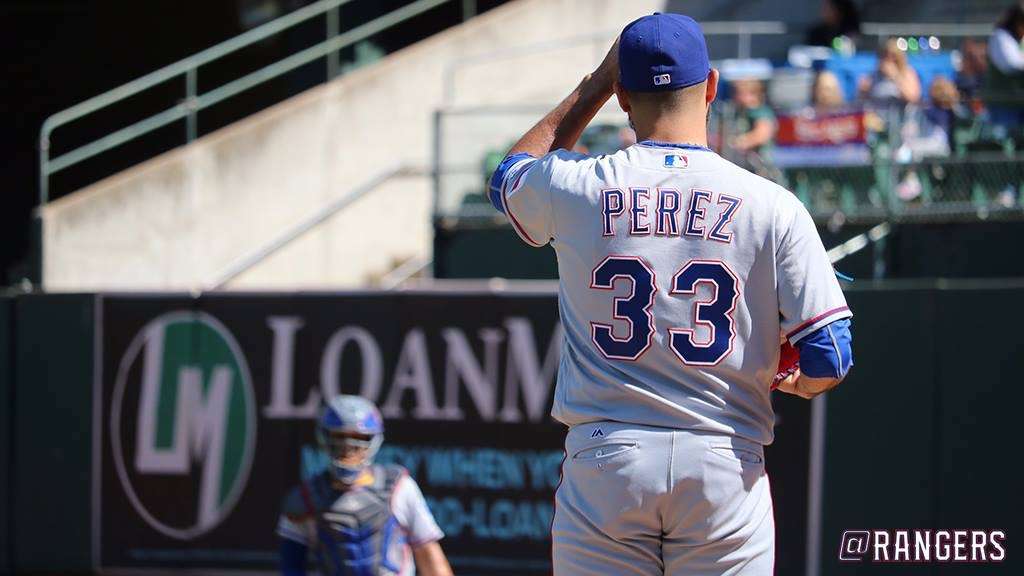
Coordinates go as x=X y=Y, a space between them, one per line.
x=359 y=518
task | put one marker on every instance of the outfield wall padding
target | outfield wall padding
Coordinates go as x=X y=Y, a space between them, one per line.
x=921 y=435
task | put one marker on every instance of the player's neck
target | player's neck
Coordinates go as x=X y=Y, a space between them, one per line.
x=364 y=479
x=673 y=129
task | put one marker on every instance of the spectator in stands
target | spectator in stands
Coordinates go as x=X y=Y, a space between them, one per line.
x=826 y=93
x=945 y=107
x=755 y=121
x=1004 y=84
x=754 y=126
x=971 y=72
x=929 y=133
x=838 y=18
x=894 y=83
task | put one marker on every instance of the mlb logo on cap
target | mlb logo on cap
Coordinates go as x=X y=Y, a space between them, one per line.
x=662 y=52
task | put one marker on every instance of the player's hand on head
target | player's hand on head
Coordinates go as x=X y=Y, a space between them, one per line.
x=608 y=70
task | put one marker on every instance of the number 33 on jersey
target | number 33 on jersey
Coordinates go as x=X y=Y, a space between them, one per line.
x=678 y=271
x=635 y=309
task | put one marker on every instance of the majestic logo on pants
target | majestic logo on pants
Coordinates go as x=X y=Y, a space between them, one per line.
x=183 y=423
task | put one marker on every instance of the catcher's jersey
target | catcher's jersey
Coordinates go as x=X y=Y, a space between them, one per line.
x=358 y=521
x=678 y=271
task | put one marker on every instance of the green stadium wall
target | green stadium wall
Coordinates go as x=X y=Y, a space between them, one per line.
x=51 y=425
x=922 y=433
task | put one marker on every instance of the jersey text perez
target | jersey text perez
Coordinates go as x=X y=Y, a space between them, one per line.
x=668 y=212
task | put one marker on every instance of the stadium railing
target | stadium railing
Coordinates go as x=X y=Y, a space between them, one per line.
x=188 y=68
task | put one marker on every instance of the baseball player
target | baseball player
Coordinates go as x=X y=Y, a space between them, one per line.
x=361 y=519
x=678 y=275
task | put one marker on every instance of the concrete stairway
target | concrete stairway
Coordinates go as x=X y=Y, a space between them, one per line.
x=179 y=221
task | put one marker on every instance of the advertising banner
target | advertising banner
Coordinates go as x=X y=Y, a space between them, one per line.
x=821 y=129
x=838 y=139
x=208 y=407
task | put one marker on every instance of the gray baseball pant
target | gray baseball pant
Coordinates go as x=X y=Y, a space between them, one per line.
x=645 y=501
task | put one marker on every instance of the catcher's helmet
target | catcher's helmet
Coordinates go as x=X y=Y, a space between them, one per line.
x=350 y=423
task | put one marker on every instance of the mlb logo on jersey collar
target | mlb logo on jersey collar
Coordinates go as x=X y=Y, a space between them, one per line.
x=676 y=161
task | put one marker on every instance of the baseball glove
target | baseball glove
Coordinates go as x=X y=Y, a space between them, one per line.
x=789 y=362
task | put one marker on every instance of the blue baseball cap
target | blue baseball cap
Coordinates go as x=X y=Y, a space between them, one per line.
x=662 y=52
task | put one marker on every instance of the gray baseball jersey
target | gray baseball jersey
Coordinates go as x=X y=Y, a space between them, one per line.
x=678 y=272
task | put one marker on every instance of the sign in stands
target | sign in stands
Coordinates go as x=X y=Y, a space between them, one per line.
x=808 y=139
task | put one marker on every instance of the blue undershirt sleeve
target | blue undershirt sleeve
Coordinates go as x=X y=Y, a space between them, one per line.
x=826 y=352
x=497 y=182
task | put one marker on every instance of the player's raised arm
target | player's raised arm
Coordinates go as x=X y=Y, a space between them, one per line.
x=520 y=186
x=561 y=127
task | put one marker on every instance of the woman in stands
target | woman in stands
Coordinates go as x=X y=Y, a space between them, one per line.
x=894 y=83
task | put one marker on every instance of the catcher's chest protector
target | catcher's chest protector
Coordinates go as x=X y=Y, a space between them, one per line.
x=358 y=533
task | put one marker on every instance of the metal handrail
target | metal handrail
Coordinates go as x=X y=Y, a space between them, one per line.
x=394 y=279
x=194 y=102
x=248 y=261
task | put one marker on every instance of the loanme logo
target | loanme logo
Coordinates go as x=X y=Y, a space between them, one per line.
x=183 y=423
